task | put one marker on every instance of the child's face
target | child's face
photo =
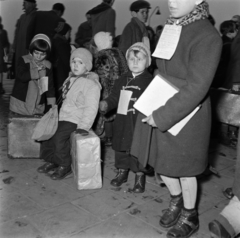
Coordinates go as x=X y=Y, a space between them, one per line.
x=137 y=62
x=142 y=15
x=39 y=56
x=78 y=67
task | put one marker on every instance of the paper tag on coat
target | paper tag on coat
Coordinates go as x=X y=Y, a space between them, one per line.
x=125 y=97
x=168 y=42
x=43 y=85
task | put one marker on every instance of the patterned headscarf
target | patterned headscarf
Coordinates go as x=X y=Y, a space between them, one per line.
x=201 y=11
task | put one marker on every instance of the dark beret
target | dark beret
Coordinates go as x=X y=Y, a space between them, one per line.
x=139 y=4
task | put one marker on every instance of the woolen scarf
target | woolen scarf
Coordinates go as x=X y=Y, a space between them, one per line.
x=201 y=11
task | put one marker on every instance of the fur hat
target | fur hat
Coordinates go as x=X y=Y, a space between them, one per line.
x=142 y=48
x=41 y=37
x=84 y=55
x=62 y=28
x=137 y=5
x=102 y=40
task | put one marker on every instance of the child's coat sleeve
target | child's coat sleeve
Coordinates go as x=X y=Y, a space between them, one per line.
x=92 y=98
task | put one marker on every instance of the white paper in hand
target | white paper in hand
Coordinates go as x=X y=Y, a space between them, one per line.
x=43 y=85
x=156 y=95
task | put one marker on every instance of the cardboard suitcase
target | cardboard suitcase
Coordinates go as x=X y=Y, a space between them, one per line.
x=86 y=161
x=20 y=143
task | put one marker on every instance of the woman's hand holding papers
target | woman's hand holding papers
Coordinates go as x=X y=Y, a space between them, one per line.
x=150 y=121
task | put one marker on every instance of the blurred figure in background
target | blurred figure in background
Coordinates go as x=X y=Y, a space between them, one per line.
x=84 y=33
x=4 y=48
x=61 y=52
x=20 y=45
x=103 y=17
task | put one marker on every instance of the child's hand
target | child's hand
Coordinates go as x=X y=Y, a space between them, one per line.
x=42 y=73
x=103 y=107
x=150 y=121
x=81 y=132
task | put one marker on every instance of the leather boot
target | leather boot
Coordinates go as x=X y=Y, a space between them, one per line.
x=120 y=178
x=228 y=193
x=47 y=167
x=187 y=224
x=61 y=172
x=172 y=213
x=217 y=230
x=140 y=181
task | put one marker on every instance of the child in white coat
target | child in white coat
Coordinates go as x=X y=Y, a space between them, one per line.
x=81 y=94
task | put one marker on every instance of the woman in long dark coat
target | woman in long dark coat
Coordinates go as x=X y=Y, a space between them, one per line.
x=179 y=159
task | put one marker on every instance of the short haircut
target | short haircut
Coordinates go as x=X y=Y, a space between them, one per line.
x=227 y=27
x=40 y=45
x=59 y=7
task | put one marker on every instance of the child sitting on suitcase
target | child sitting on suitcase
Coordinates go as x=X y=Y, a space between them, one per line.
x=128 y=89
x=81 y=94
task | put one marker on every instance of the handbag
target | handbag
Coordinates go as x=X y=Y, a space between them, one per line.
x=226 y=106
x=47 y=125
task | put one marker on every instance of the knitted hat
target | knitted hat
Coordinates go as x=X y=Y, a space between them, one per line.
x=139 y=4
x=62 y=28
x=84 y=55
x=41 y=37
x=142 y=48
x=103 y=40
x=33 y=1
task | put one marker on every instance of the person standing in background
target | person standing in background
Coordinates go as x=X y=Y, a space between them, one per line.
x=136 y=31
x=84 y=33
x=61 y=53
x=4 y=48
x=45 y=22
x=103 y=18
x=20 y=46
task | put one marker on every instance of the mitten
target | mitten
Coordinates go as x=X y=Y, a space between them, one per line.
x=103 y=107
x=81 y=132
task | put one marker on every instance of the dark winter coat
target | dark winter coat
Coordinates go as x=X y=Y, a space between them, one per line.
x=132 y=33
x=233 y=74
x=4 y=45
x=61 y=52
x=26 y=88
x=124 y=124
x=84 y=34
x=191 y=69
x=43 y=22
x=103 y=19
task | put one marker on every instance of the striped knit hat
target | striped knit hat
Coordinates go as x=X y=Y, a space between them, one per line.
x=142 y=48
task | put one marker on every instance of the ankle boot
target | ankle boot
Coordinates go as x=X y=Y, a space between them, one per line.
x=120 y=178
x=140 y=181
x=187 y=224
x=171 y=214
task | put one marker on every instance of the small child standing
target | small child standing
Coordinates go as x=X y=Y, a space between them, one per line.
x=128 y=89
x=81 y=94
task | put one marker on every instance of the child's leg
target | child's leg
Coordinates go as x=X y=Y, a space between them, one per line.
x=62 y=143
x=122 y=164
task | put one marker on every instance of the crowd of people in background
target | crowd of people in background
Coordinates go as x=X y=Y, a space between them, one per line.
x=105 y=70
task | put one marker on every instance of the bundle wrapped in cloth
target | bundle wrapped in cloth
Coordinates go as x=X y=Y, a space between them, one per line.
x=86 y=161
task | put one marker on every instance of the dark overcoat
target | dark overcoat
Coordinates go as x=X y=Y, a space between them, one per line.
x=191 y=69
x=124 y=124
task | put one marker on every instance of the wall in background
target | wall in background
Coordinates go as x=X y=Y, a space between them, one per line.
x=10 y=10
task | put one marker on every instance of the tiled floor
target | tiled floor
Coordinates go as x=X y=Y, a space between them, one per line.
x=34 y=206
